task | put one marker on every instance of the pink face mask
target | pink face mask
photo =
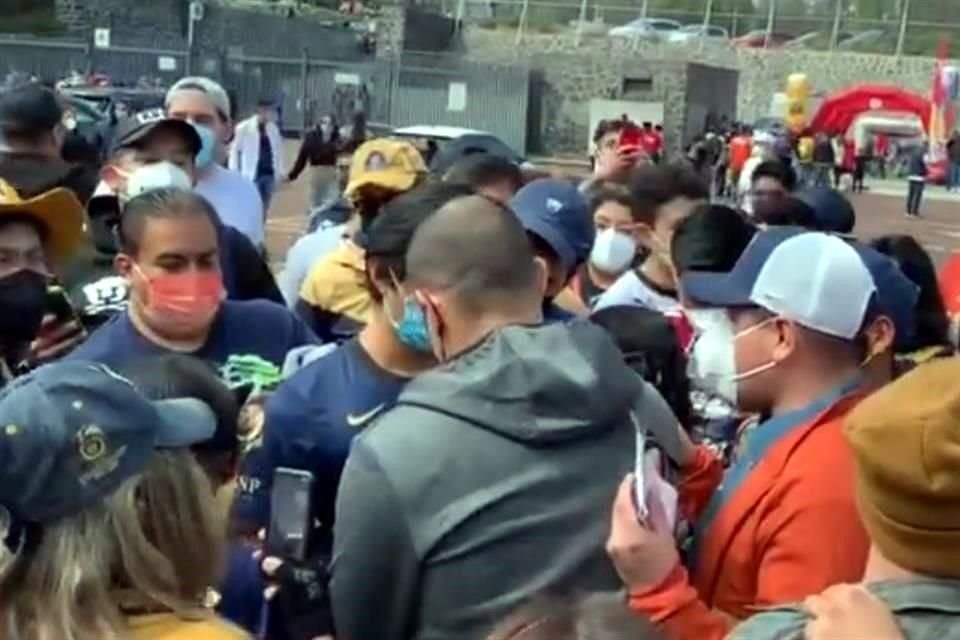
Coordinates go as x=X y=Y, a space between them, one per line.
x=183 y=304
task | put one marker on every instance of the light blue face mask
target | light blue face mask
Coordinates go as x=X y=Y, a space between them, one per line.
x=412 y=328
x=208 y=142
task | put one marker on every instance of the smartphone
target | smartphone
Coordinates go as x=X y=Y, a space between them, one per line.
x=291 y=517
x=630 y=140
x=58 y=304
x=639 y=472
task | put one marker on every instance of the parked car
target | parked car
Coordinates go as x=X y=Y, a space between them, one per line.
x=645 y=29
x=757 y=39
x=692 y=32
x=854 y=40
x=441 y=145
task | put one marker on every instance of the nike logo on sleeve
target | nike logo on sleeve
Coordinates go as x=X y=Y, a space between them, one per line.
x=357 y=421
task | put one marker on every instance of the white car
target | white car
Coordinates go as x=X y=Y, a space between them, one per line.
x=645 y=29
x=693 y=32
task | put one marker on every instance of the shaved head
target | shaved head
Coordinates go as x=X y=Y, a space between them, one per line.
x=477 y=250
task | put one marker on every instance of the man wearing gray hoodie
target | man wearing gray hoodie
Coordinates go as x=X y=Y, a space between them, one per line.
x=489 y=482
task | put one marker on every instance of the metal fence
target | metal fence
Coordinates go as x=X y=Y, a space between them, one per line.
x=908 y=27
x=434 y=89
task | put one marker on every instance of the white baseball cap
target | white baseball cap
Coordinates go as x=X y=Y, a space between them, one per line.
x=218 y=96
x=817 y=280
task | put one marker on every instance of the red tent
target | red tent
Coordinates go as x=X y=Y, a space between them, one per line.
x=837 y=111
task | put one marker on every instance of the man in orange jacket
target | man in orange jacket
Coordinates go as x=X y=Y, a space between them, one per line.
x=776 y=337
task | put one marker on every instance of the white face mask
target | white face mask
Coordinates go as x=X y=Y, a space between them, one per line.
x=613 y=251
x=712 y=364
x=158 y=175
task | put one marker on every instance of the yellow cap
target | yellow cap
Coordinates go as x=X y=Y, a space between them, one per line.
x=391 y=164
x=58 y=211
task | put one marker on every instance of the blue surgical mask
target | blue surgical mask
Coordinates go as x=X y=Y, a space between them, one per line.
x=208 y=142
x=412 y=328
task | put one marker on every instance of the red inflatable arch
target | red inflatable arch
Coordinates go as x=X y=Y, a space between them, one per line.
x=838 y=111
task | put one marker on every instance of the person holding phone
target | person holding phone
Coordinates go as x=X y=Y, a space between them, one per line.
x=618 y=148
x=314 y=417
x=36 y=235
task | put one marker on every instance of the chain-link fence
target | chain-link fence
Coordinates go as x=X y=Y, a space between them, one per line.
x=908 y=27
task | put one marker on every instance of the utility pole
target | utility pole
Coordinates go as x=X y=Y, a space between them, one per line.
x=580 y=20
x=904 y=18
x=771 y=17
x=835 y=33
x=707 y=16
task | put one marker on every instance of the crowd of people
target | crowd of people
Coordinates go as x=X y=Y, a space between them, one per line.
x=480 y=405
x=728 y=160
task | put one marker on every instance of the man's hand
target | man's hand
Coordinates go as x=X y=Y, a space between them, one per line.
x=849 y=611
x=644 y=554
x=300 y=591
x=55 y=340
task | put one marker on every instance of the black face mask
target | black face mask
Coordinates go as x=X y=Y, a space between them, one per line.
x=23 y=300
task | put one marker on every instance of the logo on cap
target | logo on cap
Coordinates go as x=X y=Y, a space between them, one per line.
x=376 y=161
x=554 y=205
x=150 y=115
x=91 y=443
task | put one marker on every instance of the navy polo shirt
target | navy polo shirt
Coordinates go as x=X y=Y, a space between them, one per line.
x=310 y=423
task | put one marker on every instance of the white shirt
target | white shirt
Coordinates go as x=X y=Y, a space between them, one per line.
x=629 y=290
x=245 y=150
x=236 y=201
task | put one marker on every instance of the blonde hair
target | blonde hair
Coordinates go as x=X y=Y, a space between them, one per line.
x=157 y=541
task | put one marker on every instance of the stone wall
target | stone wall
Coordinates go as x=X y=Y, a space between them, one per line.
x=564 y=81
x=592 y=69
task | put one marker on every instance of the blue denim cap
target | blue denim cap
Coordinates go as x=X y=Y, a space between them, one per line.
x=556 y=212
x=73 y=432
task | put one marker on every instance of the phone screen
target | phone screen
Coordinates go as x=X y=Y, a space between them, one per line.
x=291 y=518
x=630 y=140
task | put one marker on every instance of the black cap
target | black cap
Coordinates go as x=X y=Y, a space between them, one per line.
x=134 y=129
x=834 y=213
x=29 y=108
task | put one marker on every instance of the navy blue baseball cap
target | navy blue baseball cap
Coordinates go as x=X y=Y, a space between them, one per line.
x=72 y=433
x=734 y=289
x=556 y=212
x=831 y=209
x=896 y=294
x=815 y=279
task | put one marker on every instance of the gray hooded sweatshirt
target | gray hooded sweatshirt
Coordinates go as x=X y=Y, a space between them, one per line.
x=489 y=483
